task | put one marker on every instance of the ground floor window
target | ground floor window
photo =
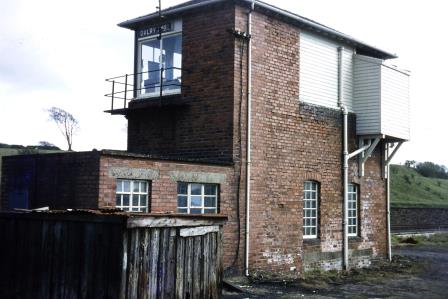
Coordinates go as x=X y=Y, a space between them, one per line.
x=132 y=195
x=310 y=209
x=352 y=210
x=195 y=198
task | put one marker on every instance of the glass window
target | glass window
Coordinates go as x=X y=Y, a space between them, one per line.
x=310 y=212
x=193 y=198
x=352 y=210
x=160 y=59
x=132 y=195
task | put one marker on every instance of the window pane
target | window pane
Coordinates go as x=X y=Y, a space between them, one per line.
x=143 y=200
x=135 y=186
x=307 y=186
x=210 y=201
x=313 y=231
x=307 y=231
x=182 y=210
x=313 y=204
x=135 y=200
x=172 y=61
x=135 y=209
x=182 y=201
x=209 y=211
x=196 y=201
x=210 y=189
x=126 y=186
x=143 y=187
x=182 y=188
x=196 y=189
x=118 y=200
x=125 y=199
x=195 y=211
x=150 y=66
x=119 y=185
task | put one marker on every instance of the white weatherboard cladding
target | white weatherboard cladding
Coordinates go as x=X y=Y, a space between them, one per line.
x=395 y=103
x=381 y=99
x=319 y=72
x=367 y=81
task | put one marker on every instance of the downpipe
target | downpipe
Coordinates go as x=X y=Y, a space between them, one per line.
x=248 y=135
x=345 y=158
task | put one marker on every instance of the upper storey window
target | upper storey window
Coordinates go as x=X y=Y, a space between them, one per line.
x=160 y=60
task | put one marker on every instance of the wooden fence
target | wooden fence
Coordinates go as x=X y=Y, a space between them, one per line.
x=86 y=254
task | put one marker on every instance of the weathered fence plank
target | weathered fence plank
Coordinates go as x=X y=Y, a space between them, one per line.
x=64 y=255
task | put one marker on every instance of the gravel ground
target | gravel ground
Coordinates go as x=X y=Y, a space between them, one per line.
x=418 y=272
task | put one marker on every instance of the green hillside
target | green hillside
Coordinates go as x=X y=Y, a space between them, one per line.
x=410 y=189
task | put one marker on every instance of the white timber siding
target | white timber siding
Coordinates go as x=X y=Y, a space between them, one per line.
x=367 y=81
x=395 y=103
x=319 y=71
x=381 y=96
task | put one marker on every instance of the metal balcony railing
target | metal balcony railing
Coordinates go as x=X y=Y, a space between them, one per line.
x=151 y=84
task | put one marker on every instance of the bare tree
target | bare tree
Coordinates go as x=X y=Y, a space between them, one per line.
x=66 y=122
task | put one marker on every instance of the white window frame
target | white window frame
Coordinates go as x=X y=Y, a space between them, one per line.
x=203 y=196
x=141 y=193
x=140 y=41
x=313 y=193
x=353 y=214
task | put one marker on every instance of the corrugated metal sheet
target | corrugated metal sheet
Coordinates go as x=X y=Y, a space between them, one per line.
x=319 y=72
x=381 y=99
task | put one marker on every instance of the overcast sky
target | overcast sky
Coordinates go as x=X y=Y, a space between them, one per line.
x=58 y=53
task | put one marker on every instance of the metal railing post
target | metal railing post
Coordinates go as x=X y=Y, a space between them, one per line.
x=161 y=82
x=113 y=92
x=125 y=90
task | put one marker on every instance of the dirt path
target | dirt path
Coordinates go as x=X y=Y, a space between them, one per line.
x=431 y=281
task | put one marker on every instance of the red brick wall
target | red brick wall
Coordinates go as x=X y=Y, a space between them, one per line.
x=293 y=142
x=203 y=127
x=60 y=181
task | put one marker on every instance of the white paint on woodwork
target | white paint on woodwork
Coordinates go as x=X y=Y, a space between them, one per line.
x=198 y=231
x=319 y=71
x=381 y=97
x=148 y=221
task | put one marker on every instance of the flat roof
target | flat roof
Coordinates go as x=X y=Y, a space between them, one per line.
x=261 y=6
